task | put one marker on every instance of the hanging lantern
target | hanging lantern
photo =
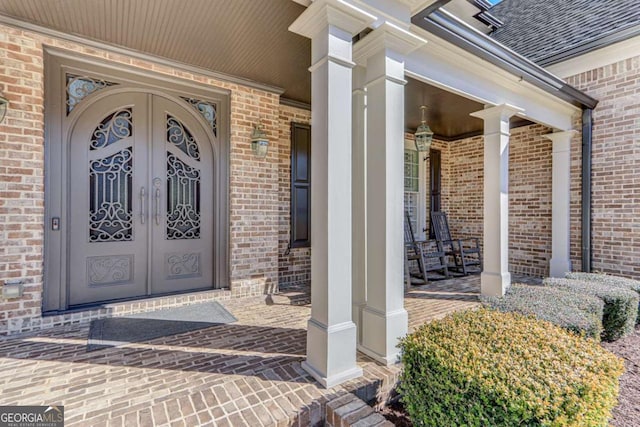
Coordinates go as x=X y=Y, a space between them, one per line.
x=424 y=135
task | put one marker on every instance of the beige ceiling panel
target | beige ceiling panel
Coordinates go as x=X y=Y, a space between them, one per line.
x=244 y=38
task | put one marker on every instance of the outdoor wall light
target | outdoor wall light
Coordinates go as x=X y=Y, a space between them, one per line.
x=424 y=135
x=12 y=289
x=4 y=103
x=259 y=142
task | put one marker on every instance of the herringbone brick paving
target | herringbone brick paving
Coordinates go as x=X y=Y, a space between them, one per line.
x=246 y=373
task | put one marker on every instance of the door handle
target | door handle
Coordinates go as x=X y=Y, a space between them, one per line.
x=143 y=197
x=157 y=182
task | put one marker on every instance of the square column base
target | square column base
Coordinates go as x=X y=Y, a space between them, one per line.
x=558 y=267
x=381 y=332
x=331 y=353
x=494 y=284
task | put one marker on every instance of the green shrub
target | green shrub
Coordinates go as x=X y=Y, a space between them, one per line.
x=579 y=313
x=488 y=368
x=621 y=282
x=620 y=305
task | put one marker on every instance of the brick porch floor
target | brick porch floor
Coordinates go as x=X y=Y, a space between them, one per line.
x=246 y=373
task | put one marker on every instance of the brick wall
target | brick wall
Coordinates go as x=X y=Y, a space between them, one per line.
x=530 y=201
x=615 y=165
x=465 y=194
x=294 y=267
x=254 y=184
x=21 y=172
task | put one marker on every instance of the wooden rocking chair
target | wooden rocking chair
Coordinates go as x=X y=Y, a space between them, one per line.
x=465 y=252
x=419 y=251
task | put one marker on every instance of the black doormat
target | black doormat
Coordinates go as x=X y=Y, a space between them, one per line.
x=115 y=331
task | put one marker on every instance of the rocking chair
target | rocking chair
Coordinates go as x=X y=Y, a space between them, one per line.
x=419 y=251
x=465 y=252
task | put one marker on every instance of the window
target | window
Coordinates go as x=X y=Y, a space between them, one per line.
x=300 y=185
x=414 y=189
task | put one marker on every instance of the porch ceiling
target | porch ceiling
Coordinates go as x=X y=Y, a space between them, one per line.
x=243 y=38
x=447 y=113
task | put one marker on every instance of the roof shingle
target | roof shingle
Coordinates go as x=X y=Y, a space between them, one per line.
x=544 y=28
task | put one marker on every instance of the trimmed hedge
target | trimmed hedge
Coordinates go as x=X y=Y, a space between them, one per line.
x=606 y=279
x=579 y=313
x=620 y=305
x=489 y=368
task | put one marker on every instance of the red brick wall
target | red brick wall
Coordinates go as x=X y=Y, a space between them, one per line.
x=295 y=267
x=255 y=202
x=616 y=165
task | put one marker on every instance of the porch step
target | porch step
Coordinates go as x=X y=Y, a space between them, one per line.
x=294 y=295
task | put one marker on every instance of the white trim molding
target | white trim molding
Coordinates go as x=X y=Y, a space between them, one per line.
x=598 y=58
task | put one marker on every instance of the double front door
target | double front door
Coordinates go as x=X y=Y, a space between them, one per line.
x=140 y=200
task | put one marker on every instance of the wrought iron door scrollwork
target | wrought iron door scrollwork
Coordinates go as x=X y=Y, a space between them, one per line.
x=179 y=136
x=183 y=200
x=110 y=185
x=183 y=264
x=208 y=110
x=79 y=87
x=109 y=269
x=112 y=129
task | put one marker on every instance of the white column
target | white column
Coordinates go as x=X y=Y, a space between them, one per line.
x=495 y=277
x=359 y=219
x=331 y=334
x=560 y=261
x=384 y=319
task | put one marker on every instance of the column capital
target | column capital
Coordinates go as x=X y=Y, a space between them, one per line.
x=561 y=139
x=322 y=13
x=558 y=135
x=387 y=36
x=500 y=112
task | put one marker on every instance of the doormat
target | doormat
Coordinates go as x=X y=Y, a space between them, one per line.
x=116 y=331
